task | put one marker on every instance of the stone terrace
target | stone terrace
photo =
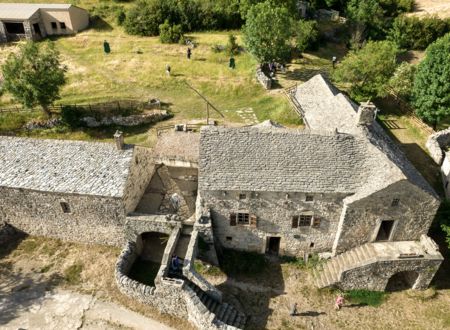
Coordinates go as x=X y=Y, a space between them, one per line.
x=64 y=166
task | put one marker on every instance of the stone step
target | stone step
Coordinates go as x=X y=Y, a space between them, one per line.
x=215 y=307
x=360 y=254
x=209 y=303
x=231 y=316
x=226 y=314
x=371 y=250
x=335 y=272
x=340 y=262
x=221 y=311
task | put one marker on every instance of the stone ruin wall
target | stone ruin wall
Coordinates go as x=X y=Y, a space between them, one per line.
x=92 y=219
x=274 y=213
x=436 y=143
x=375 y=276
x=414 y=215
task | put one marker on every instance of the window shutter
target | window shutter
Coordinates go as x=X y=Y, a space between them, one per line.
x=295 y=221
x=253 y=220
x=316 y=222
x=233 y=219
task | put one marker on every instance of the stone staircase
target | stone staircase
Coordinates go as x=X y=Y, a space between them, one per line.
x=223 y=311
x=332 y=269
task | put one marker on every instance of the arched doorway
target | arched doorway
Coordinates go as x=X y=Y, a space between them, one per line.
x=402 y=281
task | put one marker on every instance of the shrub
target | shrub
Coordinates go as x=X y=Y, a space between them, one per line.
x=365 y=297
x=72 y=274
x=120 y=17
x=170 y=34
x=306 y=35
x=417 y=33
x=232 y=46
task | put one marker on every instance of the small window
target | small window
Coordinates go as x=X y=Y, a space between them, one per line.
x=253 y=220
x=242 y=196
x=395 y=202
x=316 y=222
x=295 y=221
x=309 y=198
x=311 y=245
x=304 y=220
x=62 y=25
x=65 y=207
x=54 y=26
x=243 y=218
x=229 y=238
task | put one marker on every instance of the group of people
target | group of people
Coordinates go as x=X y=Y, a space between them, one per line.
x=337 y=305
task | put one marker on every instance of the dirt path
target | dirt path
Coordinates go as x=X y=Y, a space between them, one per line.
x=33 y=308
x=440 y=8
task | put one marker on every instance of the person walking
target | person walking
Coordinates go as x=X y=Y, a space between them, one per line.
x=189 y=53
x=232 y=63
x=168 y=69
x=334 y=61
x=339 y=302
x=293 y=311
x=106 y=47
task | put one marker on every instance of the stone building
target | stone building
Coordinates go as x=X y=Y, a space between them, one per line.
x=73 y=190
x=36 y=21
x=438 y=145
x=337 y=186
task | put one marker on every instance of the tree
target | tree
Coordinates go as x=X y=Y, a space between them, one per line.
x=368 y=69
x=267 y=32
x=170 y=34
x=431 y=90
x=363 y=15
x=34 y=75
x=306 y=34
x=400 y=84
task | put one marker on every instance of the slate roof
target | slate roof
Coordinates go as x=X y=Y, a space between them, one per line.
x=276 y=159
x=64 y=166
x=325 y=107
x=23 y=11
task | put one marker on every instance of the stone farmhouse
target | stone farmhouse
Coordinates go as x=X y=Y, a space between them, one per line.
x=438 y=145
x=339 y=188
x=36 y=21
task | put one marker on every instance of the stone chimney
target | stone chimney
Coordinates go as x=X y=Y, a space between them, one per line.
x=367 y=113
x=118 y=138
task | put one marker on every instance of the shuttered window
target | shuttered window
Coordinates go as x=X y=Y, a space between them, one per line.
x=305 y=220
x=295 y=221
x=253 y=220
x=316 y=222
x=233 y=219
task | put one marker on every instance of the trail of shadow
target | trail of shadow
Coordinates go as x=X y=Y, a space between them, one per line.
x=311 y=313
x=355 y=305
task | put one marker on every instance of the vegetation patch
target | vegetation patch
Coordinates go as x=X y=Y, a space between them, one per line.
x=207 y=269
x=72 y=274
x=365 y=297
x=312 y=262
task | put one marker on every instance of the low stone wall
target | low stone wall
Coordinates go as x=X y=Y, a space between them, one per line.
x=375 y=276
x=192 y=275
x=136 y=224
x=436 y=143
x=263 y=79
x=133 y=120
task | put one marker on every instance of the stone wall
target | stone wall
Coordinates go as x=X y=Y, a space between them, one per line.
x=375 y=276
x=274 y=212
x=142 y=169
x=132 y=120
x=3 y=37
x=136 y=224
x=263 y=79
x=436 y=143
x=91 y=219
x=413 y=216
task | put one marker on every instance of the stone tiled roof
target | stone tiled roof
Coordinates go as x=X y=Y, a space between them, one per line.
x=26 y=10
x=276 y=159
x=64 y=166
x=325 y=107
x=178 y=145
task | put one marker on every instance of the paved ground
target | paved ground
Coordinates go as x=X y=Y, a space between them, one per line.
x=33 y=308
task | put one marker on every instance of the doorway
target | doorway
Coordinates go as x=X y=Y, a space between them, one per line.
x=402 y=281
x=273 y=245
x=37 y=30
x=385 y=231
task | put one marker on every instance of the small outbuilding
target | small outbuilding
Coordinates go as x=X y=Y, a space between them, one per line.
x=36 y=21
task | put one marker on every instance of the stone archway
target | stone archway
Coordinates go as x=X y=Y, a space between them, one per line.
x=402 y=281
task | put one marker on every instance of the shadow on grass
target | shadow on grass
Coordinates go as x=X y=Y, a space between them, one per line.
x=311 y=313
x=304 y=74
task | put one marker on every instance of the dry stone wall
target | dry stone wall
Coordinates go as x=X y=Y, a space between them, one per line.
x=436 y=143
x=413 y=216
x=89 y=219
x=274 y=212
x=133 y=120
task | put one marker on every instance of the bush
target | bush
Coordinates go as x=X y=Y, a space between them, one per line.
x=417 y=33
x=365 y=297
x=232 y=46
x=170 y=34
x=306 y=35
x=120 y=17
x=72 y=274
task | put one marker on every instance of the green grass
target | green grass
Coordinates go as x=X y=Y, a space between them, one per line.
x=72 y=274
x=144 y=271
x=312 y=262
x=205 y=269
x=365 y=297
